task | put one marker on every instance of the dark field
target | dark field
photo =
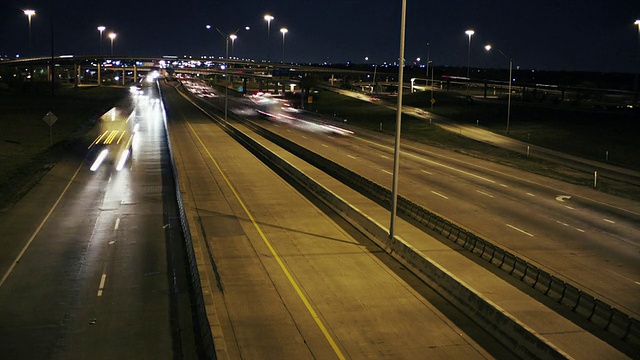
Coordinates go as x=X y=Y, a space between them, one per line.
x=25 y=151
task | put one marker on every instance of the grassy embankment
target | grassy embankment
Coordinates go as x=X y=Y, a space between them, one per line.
x=579 y=131
x=25 y=151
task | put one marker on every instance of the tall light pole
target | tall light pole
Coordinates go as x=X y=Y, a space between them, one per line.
x=29 y=14
x=432 y=72
x=268 y=18
x=488 y=47
x=283 y=31
x=635 y=83
x=396 y=151
x=112 y=36
x=233 y=38
x=428 y=49
x=226 y=69
x=101 y=30
x=469 y=32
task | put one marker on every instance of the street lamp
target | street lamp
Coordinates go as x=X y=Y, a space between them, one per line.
x=469 y=32
x=488 y=47
x=101 y=29
x=396 y=149
x=428 y=49
x=635 y=84
x=268 y=18
x=233 y=38
x=112 y=36
x=432 y=72
x=283 y=31
x=29 y=14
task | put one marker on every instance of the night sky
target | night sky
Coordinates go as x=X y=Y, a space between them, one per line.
x=594 y=35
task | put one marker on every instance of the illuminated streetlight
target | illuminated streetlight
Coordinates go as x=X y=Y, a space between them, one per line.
x=101 y=30
x=268 y=18
x=469 y=32
x=488 y=47
x=283 y=31
x=112 y=36
x=29 y=14
x=233 y=38
x=635 y=84
x=428 y=49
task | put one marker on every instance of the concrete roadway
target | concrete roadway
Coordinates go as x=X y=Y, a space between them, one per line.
x=586 y=237
x=479 y=134
x=91 y=262
x=292 y=281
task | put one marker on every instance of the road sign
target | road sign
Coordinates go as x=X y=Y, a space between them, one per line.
x=50 y=119
x=433 y=101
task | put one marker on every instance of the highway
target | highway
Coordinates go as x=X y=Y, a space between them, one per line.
x=562 y=332
x=92 y=262
x=586 y=237
x=292 y=280
x=94 y=267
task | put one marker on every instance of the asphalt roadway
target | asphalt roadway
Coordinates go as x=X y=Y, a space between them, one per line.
x=92 y=262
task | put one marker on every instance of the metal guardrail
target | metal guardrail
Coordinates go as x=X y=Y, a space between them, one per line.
x=598 y=312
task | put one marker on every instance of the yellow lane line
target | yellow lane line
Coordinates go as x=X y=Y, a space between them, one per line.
x=295 y=285
x=97 y=140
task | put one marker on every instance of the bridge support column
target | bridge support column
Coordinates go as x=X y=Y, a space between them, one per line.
x=135 y=74
x=485 y=90
x=77 y=71
x=124 y=73
x=99 y=73
x=244 y=86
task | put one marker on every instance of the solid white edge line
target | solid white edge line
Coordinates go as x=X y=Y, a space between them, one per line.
x=35 y=233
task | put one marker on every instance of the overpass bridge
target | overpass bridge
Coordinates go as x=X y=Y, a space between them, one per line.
x=94 y=69
x=120 y=70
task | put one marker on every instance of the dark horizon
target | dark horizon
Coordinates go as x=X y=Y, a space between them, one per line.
x=567 y=36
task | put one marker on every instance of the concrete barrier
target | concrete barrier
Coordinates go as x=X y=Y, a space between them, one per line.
x=204 y=327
